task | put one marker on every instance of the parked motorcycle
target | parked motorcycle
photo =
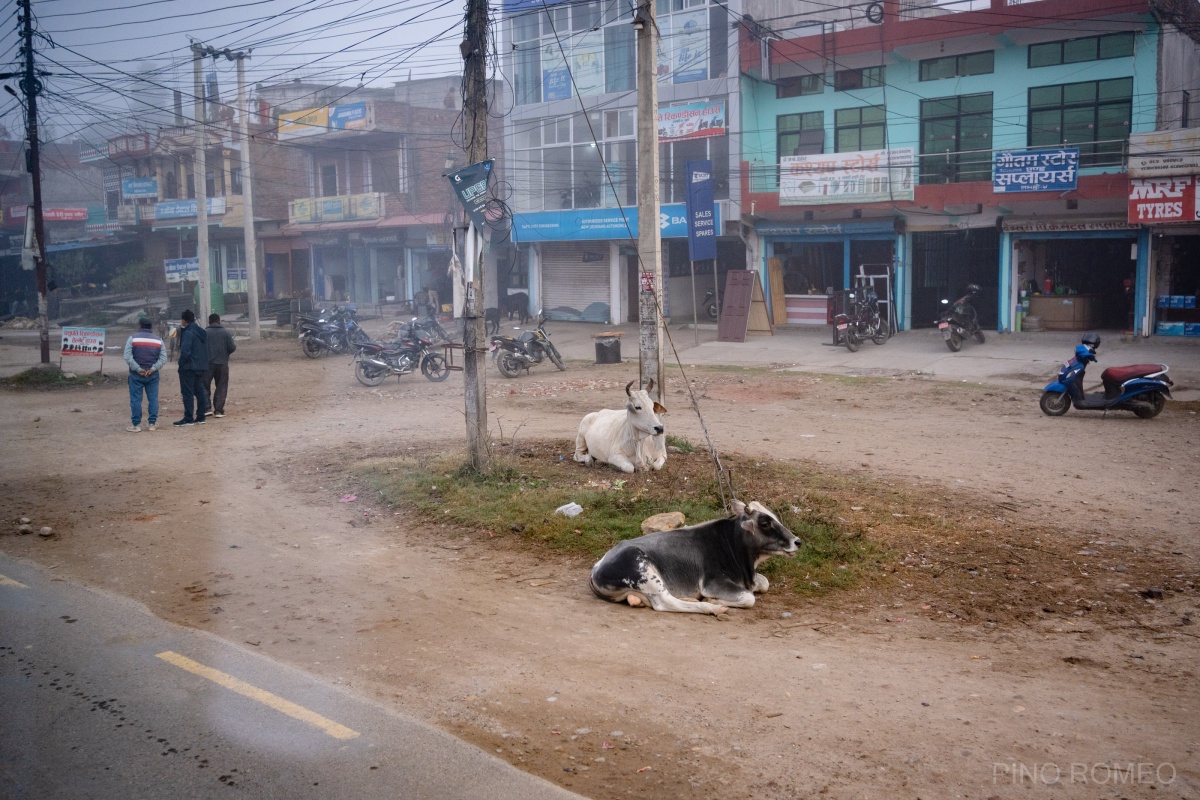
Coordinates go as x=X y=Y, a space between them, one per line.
x=375 y=362
x=433 y=328
x=712 y=304
x=513 y=354
x=862 y=322
x=1140 y=388
x=960 y=321
x=333 y=331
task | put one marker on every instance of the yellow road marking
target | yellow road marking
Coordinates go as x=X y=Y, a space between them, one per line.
x=261 y=695
x=6 y=581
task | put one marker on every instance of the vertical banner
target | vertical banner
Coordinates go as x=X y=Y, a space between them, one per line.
x=471 y=187
x=701 y=213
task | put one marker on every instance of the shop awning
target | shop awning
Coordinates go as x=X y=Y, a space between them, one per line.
x=401 y=221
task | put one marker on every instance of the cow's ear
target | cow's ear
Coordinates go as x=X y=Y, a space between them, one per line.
x=739 y=508
x=658 y=408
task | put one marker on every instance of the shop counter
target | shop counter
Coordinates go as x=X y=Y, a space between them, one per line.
x=1065 y=312
x=807 y=309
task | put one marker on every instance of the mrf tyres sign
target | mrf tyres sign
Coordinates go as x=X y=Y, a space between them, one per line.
x=1158 y=200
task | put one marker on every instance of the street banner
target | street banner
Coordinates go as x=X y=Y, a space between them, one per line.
x=182 y=269
x=471 y=187
x=134 y=188
x=701 y=213
x=83 y=342
x=695 y=120
x=866 y=176
x=1035 y=170
x=1157 y=200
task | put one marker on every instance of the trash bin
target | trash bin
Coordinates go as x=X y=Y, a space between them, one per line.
x=608 y=348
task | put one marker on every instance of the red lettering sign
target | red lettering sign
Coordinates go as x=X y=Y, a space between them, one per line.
x=1158 y=200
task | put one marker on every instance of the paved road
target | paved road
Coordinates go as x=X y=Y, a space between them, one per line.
x=101 y=700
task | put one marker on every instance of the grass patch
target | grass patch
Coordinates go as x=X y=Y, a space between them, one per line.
x=681 y=444
x=51 y=377
x=527 y=484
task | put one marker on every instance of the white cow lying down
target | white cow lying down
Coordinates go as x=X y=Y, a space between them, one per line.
x=630 y=438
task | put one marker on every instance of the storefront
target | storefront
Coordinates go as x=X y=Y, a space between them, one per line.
x=814 y=261
x=1168 y=207
x=1077 y=274
x=582 y=264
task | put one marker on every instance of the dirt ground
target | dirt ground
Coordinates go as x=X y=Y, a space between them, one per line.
x=1030 y=633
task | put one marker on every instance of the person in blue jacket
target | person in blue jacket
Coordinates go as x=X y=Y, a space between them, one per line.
x=193 y=362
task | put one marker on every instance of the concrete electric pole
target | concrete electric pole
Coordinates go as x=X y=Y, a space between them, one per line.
x=251 y=245
x=650 y=354
x=200 y=178
x=474 y=52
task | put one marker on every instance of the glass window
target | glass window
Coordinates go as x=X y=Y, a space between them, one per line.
x=859 y=129
x=800 y=134
x=620 y=58
x=799 y=86
x=556 y=169
x=1045 y=55
x=527 y=73
x=849 y=79
x=1079 y=50
x=933 y=69
x=1074 y=51
x=1116 y=45
x=1092 y=115
x=585 y=16
x=235 y=181
x=956 y=134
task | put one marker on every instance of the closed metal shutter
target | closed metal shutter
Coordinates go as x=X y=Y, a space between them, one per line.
x=570 y=287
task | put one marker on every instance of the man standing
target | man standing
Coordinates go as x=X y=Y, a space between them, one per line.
x=145 y=355
x=220 y=347
x=193 y=361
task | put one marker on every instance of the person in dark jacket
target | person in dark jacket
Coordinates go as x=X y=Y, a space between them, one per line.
x=220 y=347
x=145 y=355
x=193 y=362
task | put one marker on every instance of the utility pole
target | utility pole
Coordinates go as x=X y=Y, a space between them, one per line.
x=474 y=52
x=650 y=354
x=31 y=85
x=200 y=178
x=251 y=245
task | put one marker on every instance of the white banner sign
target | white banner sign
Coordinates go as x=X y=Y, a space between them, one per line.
x=1163 y=153
x=867 y=176
x=83 y=341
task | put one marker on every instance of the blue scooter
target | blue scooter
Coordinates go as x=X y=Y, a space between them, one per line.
x=1140 y=388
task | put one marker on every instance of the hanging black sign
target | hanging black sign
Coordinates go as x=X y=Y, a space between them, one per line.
x=471 y=186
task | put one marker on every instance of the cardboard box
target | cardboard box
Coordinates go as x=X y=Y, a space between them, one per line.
x=1189 y=301
x=1191 y=329
x=1169 y=329
x=1177 y=300
x=1164 y=301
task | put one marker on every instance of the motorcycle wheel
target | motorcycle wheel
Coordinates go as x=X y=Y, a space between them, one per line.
x=368 y=375
x=954 y=342
x=712 y=311
x=435 y=368
x=979 y=337
x=1055 y=404
x=508 y=365
x=552 y=352
x=1156 y=403
x=852 y=341
x=880 y=335
x=311 y=347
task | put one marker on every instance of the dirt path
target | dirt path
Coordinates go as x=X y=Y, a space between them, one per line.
x=236 y=527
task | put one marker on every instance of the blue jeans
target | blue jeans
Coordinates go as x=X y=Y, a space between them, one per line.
x=138 y=383
x=191 y=386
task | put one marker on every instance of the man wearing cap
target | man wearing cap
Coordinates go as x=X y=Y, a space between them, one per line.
x=145 y=355
x=193 y=362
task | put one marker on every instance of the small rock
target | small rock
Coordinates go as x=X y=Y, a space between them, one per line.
x=24 y=520
x=46 y=531
x=582 y=731
x=24 y=529
x=617 y=734
x=1152 y=594
x=663 y=522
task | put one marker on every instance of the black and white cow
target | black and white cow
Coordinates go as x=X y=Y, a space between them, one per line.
x=700 y=569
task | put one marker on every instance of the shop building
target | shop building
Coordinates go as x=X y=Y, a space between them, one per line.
x=985 y=146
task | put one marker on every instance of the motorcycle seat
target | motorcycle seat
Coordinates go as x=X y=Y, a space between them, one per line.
x=1113 y=377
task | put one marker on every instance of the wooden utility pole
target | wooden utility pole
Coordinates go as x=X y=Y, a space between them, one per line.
x=650 y=355
x=200 y=178
x=474 y=52
x=31 y=85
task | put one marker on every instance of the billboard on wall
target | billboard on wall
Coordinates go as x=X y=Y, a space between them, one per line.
x=600 y=223
x=1156 y=153
x=308 y=122
x=698 y=119
x=183 y=209
x=1035 y=170
x=1160 y=200
x=350 y=117
x=867 y=176
x=133 y=188
x=689 y=46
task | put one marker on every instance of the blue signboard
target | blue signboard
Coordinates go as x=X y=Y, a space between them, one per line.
x=182 y=209
x=594 y=224
x=1035 y=170
x=556 y=84
x=348 y=117
x=133 y=188
x=701 y=211
x=182 y=269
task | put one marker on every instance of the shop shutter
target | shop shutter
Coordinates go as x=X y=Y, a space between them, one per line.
x=568 y=283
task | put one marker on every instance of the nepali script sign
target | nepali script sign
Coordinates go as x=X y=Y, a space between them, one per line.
x=1035 y=170
x=867 y=176
x=83 y=342
x=179 y=270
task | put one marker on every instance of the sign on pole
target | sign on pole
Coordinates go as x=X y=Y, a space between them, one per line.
x=82 y=342
x=701 y=215
x=179 y=270
x=470 y=186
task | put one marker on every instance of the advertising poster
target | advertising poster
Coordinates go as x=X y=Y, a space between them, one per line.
x=662 y=69
x=179 y=270
x=308 y=122
x=471 y=187
x=695 y=120
x=556 y=81
x=135 y=188
x=1155 y=200
x=348 y=117
x=1035 y=170
x=83 y=341
x=587 y=64
x=701 y=211
x=183 y=209
x=867 y=176
x=689 y=57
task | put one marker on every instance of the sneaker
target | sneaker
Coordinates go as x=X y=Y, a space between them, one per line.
x=219 y=415
x=202 y=421
x=133 y=429
x=183 y=423
x=152 y=427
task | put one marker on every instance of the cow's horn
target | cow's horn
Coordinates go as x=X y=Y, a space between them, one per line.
x=650 y=385
x=627 y=388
